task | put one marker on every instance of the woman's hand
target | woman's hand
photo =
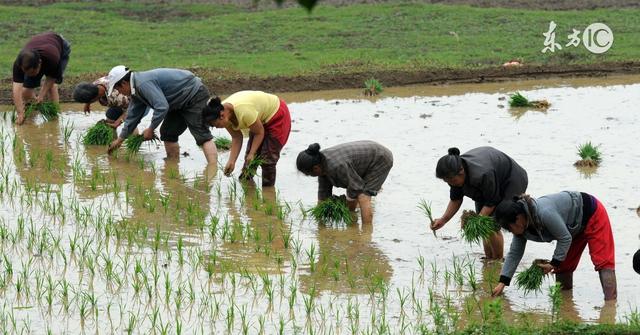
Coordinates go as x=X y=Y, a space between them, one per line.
x=228 y=169
x=498 y=290
x=438 y=223
x=115 y=145
x=546 y=267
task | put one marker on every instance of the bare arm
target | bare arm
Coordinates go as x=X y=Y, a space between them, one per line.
x=18 y=102
x=487 y=210
x=46 y=88
x=452 y=209
x=236 y=145
x=258 y=136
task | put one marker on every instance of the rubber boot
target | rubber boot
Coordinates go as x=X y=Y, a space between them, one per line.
x=565 y=279
x=609 y=285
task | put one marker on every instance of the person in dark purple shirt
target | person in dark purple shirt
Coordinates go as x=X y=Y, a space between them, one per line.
x=47 y=55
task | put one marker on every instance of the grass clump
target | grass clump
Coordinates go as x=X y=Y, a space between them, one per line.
x=519 y=100
x=99 y=134
x=590 y=155
x=252 y=168
x=531 y=279
x=477 y=228
x=49 y=110
x=372 y=87
x=333 y=209
x=222 y=143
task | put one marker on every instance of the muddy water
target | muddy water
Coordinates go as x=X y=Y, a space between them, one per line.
x=417 y=123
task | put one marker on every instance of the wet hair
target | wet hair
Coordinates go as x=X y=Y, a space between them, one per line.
x=636 y=262
x=28 y=59
x=507 y=211
x=85 y=92
x=211 y=111
x=449 y=165
x=309 y=158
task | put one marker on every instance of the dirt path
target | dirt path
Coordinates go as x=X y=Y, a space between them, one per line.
x=232 y=83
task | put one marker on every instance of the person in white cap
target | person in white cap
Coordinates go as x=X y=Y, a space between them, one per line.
x=176 y=97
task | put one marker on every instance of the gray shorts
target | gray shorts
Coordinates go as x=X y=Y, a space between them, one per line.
x=190 y=116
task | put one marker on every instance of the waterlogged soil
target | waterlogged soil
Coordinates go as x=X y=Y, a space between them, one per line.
x=135 y=243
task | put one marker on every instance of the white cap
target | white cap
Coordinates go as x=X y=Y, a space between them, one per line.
x=115 y=75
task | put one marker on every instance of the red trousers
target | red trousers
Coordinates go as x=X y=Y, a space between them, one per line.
x=597 y=234
x=276 y=134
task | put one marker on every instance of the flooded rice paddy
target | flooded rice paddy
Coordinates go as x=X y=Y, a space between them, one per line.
x=134 y=244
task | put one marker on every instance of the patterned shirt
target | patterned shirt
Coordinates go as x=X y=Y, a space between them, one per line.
x=115 y=99
x=359 y=166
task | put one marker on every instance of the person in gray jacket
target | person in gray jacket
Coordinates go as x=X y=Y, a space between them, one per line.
x=176 y=97
x=487 y=176
x=574 y=220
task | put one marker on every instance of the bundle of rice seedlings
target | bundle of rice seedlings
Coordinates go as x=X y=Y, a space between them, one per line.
x=519 y=100
x=530 y=279
x=477 y=228
x=426 y=209
x=372 y=87
x=590 y=155
x=49 y=110
x=252 y=168
x=100 y=134
x=333 y=209
x=222 y=143
x=134 y=142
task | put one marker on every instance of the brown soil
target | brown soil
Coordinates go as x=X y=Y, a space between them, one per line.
x=586 y=163
x=225 y=82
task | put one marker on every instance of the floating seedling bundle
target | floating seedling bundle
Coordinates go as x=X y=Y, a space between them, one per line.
x=372 y=87
x=477 y=228
x=49 y=110
x=590 y=155
x=99 y=134
x=252 y=168
x=531 y=279
x=519 y=100
x=333 y=209
x=222 y=143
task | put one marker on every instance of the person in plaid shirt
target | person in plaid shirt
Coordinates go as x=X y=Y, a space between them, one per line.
x=361 y=167
x=116 y=102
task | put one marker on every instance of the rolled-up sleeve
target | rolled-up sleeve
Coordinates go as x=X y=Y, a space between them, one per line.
x=513 y=258
x=456 y=193
x=355 y=184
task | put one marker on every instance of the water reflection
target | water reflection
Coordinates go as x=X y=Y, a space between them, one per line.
x=347 y=262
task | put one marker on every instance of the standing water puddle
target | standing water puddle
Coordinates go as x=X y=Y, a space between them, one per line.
x=116 y=244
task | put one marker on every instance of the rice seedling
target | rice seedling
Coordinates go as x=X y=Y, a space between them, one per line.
x=134 y=142
x=333 y=209
x=252 y=168
x=99 y=134
x=518 y=100
x=477 y=228
x=531 y=279
x=426 y=209
x=49 y=110
x=372 y=87
x=222 y=143
x=555 y=296
x=590 y=155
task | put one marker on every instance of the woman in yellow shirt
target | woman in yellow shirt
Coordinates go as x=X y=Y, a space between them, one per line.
x=268 y=121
